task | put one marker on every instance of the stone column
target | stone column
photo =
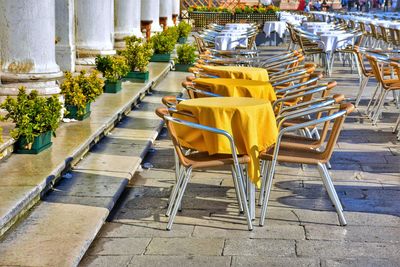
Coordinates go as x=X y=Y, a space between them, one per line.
x=27 y=47
x=95 y=29
x=166 y=13
x=150 y=14
x=127 y=20
x=65 y=34
x=176 y=10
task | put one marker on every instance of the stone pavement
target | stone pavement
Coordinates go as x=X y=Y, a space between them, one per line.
x=301 y=228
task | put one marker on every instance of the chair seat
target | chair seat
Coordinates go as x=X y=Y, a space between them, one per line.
x=299 y=142
x=300 y=156
x=204 y=160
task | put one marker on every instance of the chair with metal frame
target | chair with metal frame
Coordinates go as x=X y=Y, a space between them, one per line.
x=386 y=85
x=305 y=155
x=201 y=160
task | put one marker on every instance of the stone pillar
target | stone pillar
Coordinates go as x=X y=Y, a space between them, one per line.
x=176 y=10
x=65 y=35
x=166 y=13
x=95 y=29
x=27 y=47
x=150 y=14
x=127 y=20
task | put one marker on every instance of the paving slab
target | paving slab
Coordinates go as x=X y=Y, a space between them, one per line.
x=186 y=246
x=251 y=261
x=259 y=247
x=173 y=261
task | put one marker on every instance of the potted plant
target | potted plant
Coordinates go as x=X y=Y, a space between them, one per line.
x=79 y=92
x=186 y=57
x=184 y=30
x=163 y=44
x=113 y=69
x=36 y=119
x=137 y=54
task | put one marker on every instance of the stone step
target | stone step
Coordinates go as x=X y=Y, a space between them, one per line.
x=24 y=178
x=63 y=225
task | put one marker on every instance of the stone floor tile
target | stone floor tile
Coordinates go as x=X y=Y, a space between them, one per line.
x=185 y=246
x=259 y=247
x=271 y=261
x=174 y=261
x=344 y=249
x=105 y=261
x=353 y=233
x=150 y=229
x=364 y=262
x=273 y=231
x=119 y=246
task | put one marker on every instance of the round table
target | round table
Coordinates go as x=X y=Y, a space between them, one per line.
x=237 y=88
x=237 y=72
x=230 y=40
x=250 y=121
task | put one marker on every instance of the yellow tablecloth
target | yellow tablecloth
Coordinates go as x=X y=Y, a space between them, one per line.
x=237 y=72
x=250 y=121
x=237 y=88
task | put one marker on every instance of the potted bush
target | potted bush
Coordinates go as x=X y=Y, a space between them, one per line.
x=36 y=119
x=186 y=57
x=184 y=30
x=79 y=92
x=163 y=44
x=113 y=69
x=137 y=54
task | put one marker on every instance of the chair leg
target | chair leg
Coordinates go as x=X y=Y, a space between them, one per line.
x=264 y=169
x=369 y=106
x=363 y=85
x=397 y=125
x=268 y=185
x=378 y=110
x=242 y=192
x=179 y=198
x=326 y=179
x=175 y=191
x=236 y=184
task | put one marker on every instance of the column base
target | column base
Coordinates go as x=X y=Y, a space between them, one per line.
x=66 y=57
x=120 y=36
x=87 y=57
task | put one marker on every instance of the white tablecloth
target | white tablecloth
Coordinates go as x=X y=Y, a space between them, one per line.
x=237 y=26
x=230 y=41
x=336 y=39
x=275 y=26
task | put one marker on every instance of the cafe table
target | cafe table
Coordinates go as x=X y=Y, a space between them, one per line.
x=250 y=121
x=237 y=87
x=236 y=72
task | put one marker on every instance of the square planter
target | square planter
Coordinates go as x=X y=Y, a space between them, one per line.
x=113 y=87
x=39 y=144
x=73 y=112
x=182 y=40
x=161 y=58
x=138 y=76
x=183 y=67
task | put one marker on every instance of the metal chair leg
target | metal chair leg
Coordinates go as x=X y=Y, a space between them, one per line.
x=264 y=169
x=175 y=191
x=363 y=85
x=397 y=125
x=179 y=198
x=236 y=184
x=379 y=107
x=326 y=179
x=243 y=196
x=268 y=185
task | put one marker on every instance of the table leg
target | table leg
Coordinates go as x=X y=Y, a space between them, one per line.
x=251 y=198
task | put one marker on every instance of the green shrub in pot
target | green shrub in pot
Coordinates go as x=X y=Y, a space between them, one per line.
x=186 y=57
x=163 y=44
x=137 y=53
x=36 y=119
x=79 y=92
x=113 y=69
x=184 y=30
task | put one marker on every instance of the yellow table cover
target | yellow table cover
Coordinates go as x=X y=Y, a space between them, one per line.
x=237 y=72
x=250 y=121
x=237 y=87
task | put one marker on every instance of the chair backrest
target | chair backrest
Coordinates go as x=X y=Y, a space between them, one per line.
x=162 y=113
x=377 y=70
